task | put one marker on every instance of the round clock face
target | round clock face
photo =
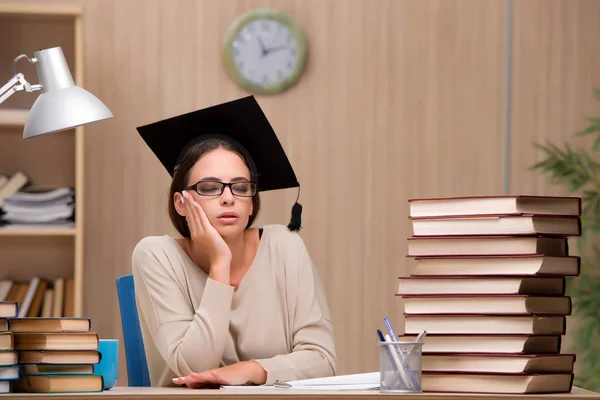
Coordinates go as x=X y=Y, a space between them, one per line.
x=265 y=52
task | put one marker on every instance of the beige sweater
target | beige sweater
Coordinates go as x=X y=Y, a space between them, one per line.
x=278 y=317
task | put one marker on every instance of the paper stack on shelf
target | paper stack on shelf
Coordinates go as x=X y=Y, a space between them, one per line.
x=39 y=206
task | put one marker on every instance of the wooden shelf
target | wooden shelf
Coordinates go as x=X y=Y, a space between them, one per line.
x=52 y=160
x=37 y=231
x=66 y=10
x=13 y=117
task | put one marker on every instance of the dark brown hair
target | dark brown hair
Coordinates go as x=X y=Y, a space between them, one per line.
x=181 y=176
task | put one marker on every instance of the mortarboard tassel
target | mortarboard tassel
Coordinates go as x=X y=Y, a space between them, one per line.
x=296 y=220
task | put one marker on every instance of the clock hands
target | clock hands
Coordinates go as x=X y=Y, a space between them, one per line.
x=274 y=49
x=266 y=51
x=263 y=50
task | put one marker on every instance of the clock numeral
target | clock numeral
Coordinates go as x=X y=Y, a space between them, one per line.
x=293 y=51
x=265 y=79
x=289 y=38
x=240 y=65
x=236 y=51
x=265 y=25
x=290 y=64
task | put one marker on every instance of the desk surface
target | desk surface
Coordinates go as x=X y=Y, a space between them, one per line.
x=134 y=393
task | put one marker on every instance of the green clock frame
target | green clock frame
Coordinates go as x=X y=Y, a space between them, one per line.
x=238 y=25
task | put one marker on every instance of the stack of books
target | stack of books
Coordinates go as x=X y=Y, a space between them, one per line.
x=9 y=364
x=53 y=355
x=488 y=287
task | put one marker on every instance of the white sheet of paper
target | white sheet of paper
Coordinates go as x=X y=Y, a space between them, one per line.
x=364 y=386
x=364 y=381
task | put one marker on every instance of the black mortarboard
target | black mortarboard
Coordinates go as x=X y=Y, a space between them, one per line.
x=241 y=121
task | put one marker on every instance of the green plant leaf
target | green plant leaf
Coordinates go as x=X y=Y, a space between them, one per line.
x=596 y=93
x=589 y=129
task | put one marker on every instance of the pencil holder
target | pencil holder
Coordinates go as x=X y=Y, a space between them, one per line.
x=400 y=367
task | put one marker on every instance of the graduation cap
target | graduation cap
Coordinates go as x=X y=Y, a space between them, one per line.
x=241 y=121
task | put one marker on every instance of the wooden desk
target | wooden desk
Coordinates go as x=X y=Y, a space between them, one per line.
x=132 y=393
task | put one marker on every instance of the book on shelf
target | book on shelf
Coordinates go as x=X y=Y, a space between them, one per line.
x=12 y=184
x=40 y=297
x=32 y=301
x=488 y=287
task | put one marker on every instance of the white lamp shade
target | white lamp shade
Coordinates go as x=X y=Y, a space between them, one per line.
x=61 y=105
x=64 y=109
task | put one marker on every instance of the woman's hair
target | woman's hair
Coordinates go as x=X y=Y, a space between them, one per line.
x=181 y=176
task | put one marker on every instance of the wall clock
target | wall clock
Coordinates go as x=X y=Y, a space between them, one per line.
x=264 y=51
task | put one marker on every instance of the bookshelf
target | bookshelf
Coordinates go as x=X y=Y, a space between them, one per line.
x=49 y=160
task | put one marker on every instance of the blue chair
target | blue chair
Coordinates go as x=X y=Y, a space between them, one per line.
x=135 y=355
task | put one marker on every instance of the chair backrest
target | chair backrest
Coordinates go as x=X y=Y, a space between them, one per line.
x=135 y=355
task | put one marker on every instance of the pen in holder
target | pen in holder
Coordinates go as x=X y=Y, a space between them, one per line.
x=400 y=366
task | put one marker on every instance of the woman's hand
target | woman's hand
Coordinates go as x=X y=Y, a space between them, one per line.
x=232 y=375
x=207 y=244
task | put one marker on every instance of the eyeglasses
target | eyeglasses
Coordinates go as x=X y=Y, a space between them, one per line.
x=215 y=188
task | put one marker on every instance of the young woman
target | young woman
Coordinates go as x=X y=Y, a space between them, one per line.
x=227 y=303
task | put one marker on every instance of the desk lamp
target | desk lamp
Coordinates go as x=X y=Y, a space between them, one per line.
x=61 y=105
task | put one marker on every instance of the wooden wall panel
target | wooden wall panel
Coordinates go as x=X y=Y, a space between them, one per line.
x=555 y=68
x=401 y=99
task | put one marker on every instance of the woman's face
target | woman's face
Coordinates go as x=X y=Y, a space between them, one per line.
x=229 y=214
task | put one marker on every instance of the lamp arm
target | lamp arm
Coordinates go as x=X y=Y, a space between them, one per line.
x=16 y=84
